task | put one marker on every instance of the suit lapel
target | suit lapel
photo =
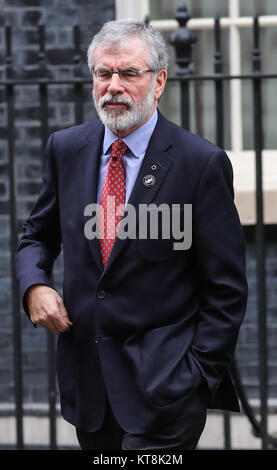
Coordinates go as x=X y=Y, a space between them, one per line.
x=90 y=153
x=157 y=156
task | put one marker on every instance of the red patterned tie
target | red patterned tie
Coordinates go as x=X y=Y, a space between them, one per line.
x=112 y=196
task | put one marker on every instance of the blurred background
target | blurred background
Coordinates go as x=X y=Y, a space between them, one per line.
x=222 y=85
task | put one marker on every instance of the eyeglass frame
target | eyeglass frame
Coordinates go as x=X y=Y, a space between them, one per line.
x=119 y=72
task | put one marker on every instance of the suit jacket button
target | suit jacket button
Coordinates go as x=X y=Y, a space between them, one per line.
x=100 y=294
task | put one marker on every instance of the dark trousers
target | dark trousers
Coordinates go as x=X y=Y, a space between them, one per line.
x=181 y=435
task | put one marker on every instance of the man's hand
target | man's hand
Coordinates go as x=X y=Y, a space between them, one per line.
x=47 y=309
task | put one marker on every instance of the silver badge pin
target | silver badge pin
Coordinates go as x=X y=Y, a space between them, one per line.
x=149 y=180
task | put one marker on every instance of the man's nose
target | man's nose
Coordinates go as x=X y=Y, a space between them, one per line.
x=115 y=84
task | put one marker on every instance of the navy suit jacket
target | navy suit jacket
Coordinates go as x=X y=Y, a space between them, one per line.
x=156 y=324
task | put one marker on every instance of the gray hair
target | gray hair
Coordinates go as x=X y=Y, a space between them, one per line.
x=119 y=31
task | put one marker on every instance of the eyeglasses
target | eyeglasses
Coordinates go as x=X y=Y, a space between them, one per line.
x=129 y=75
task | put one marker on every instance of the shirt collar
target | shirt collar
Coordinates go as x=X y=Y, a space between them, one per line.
x=137 y=141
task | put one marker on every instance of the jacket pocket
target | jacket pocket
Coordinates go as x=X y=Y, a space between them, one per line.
x=168 y=372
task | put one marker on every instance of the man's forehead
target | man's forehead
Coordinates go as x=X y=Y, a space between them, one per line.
x=124 y=51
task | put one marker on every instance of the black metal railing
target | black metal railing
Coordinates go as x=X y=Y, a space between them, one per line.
x=182 y=40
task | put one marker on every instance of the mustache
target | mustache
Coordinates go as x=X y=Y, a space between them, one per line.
x=115 y=99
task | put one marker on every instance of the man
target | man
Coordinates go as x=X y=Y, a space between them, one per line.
x=146 y=331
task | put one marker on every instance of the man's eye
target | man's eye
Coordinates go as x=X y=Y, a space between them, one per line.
x=104 y=73
x=129 y=73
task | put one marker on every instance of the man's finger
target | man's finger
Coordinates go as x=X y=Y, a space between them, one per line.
x=59 y=321
x=64 y=313
x=59 y=326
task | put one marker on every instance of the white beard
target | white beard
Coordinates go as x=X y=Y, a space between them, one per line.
x=122 y=121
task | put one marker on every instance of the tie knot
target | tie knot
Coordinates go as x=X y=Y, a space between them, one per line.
x=118 y=148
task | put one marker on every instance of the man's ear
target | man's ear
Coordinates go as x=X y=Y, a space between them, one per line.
x=160 y=83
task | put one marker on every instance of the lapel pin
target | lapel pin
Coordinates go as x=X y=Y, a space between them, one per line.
x=153 y=167
x=149 y=180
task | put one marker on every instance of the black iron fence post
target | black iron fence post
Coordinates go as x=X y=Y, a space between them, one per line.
x=78 y=87
x=182 y=40
x=51 y=356
x=43 y=91
x=218 y=69
x=260 y=240
x=18 y=387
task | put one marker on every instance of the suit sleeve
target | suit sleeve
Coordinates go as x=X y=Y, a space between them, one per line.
x=40 y=243
x=220 y=262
